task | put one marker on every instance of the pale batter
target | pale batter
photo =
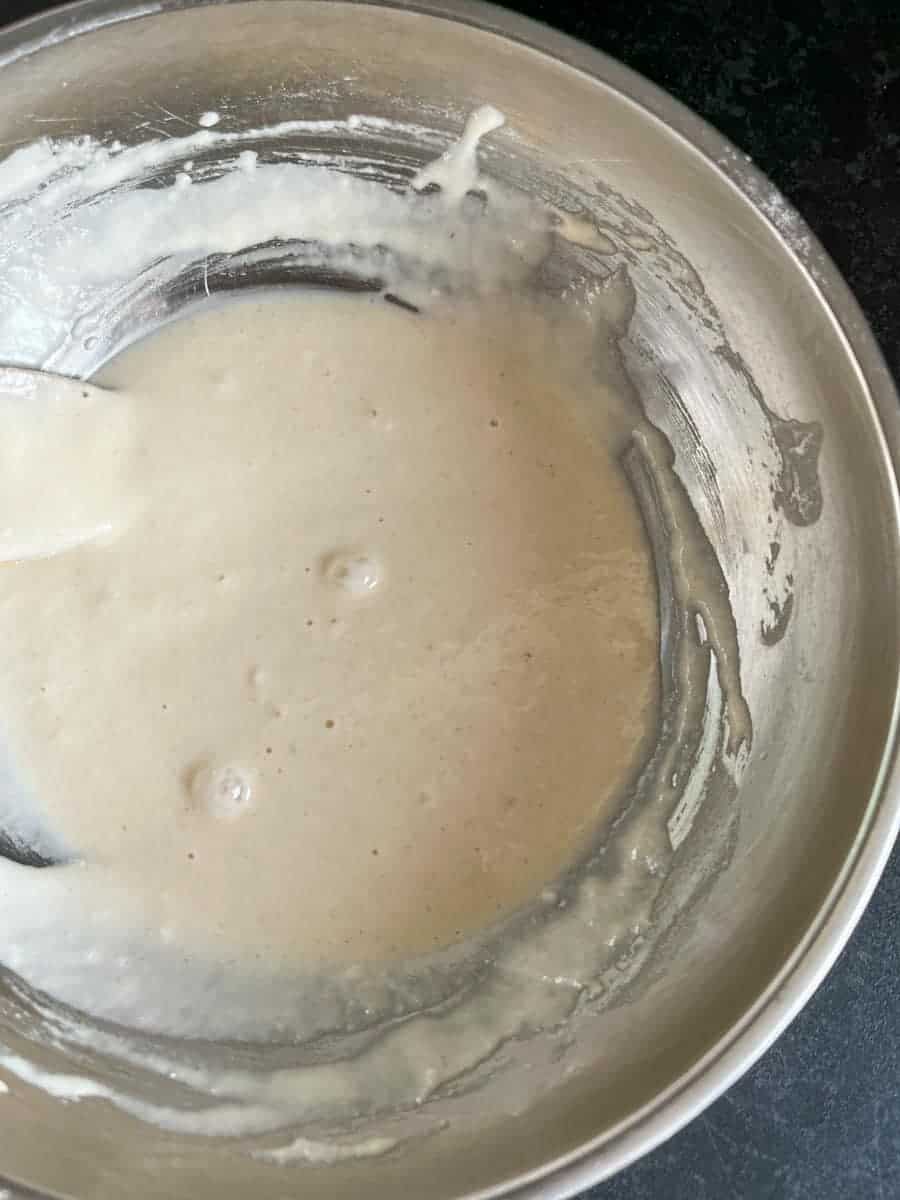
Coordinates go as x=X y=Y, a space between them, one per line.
x=377 y=656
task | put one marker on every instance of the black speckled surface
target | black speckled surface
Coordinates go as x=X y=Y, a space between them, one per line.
x=812 y=93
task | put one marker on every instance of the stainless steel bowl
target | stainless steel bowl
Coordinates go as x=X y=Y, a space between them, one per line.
x=756 y=320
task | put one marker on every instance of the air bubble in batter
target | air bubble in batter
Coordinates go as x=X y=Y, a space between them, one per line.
x=225 y=792
x=356 y=573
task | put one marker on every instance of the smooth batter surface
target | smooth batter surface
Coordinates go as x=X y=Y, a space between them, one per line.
x=376 y=654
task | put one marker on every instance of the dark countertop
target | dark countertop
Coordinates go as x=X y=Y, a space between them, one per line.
x=812 y=93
